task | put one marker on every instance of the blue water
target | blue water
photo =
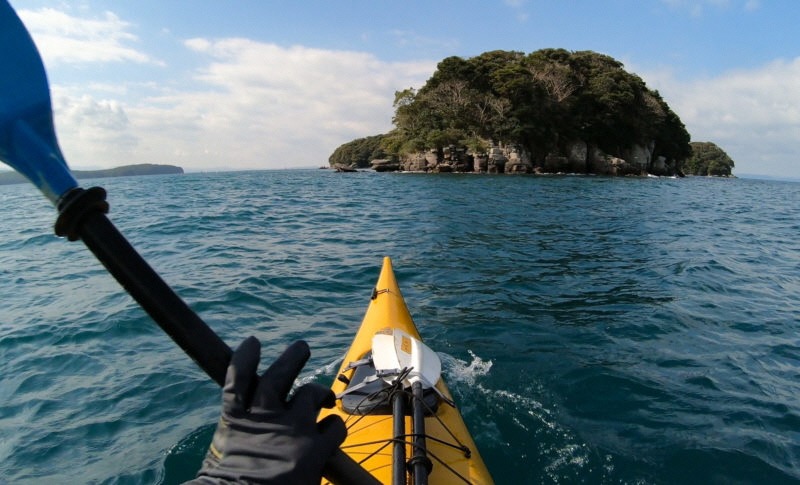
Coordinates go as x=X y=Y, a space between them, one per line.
x=593 y=330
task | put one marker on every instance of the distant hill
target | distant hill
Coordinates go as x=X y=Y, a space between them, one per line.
x=124 y=171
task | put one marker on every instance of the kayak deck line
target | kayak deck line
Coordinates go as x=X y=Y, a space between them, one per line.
x=411 y=439
x=403 y=425
x=410 y=397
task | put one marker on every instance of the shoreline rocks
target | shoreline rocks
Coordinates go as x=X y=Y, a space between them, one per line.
x=577 y=157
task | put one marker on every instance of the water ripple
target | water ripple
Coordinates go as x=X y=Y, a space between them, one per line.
x=595 y=330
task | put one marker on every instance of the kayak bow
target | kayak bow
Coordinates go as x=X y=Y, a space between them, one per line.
x=402 y=422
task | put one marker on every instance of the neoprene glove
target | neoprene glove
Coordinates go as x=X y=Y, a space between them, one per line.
x=263 y=438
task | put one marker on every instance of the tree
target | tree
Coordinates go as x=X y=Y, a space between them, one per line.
x=543 y=101
x=708 y=159
x=358 y=152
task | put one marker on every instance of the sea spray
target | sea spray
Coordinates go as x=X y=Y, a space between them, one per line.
x=471 y=381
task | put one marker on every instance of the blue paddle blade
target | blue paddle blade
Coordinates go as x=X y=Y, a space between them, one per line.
x=27 y=136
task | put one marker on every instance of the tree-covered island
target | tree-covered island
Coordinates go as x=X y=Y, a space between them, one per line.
x=708 y=159
x=123 y=171
x=549 y=111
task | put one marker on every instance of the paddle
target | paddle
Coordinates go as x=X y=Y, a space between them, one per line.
x=28 y=144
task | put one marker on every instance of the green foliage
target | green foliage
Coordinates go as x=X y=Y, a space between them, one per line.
x=359 y=152
x=708 y=159
x=541 y=101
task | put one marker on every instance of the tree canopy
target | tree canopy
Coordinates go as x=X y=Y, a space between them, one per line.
x=708 y=159
x=542 y=101
x=358 y=152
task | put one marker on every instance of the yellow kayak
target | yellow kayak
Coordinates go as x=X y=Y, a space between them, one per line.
x=403 y=426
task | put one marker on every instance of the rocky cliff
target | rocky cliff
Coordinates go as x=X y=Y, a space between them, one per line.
x=577 y=157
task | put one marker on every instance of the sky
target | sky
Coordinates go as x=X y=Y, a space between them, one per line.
x=259 y=84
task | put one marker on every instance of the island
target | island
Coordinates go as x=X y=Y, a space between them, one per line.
x=550 y=111
x=123 y=171
x=708 y=159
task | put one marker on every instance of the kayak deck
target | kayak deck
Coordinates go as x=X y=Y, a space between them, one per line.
x=450 y=448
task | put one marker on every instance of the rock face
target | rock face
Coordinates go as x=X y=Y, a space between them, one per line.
x=581 y=158
x=385 y=165
x=640 y=155
x=577 y=157
x=608 y=165
x=458 y=159
x=518 y=161
x=659 y=166
x=415 y=163
x=480 y=163
x=496 y=160
x=507 y=159
x=577 y=152
x=431 y=159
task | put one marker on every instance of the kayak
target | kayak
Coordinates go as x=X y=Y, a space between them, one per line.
x=402 y=424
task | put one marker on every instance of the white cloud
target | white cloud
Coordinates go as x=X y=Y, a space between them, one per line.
x=258 y=105
x=92 y=132
x=62 y=38
x=254 y=105
x=754 y=115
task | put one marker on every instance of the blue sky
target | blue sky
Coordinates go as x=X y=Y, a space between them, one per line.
x=213 y=85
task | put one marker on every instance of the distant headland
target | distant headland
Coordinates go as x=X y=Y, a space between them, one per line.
x=124 y=171
x=550 y=111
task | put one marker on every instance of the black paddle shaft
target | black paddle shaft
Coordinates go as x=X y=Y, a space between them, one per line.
x=82 y=215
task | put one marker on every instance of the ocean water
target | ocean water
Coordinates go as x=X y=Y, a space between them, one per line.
x=593 y=330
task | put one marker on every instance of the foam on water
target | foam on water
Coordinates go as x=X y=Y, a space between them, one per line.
x=563 y=454
x=462 y=372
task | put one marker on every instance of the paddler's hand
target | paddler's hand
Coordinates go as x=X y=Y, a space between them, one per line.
x=263 y=438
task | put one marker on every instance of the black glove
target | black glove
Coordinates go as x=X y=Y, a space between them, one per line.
x=263 y=438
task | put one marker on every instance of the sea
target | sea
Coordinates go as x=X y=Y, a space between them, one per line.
x=592 y=329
